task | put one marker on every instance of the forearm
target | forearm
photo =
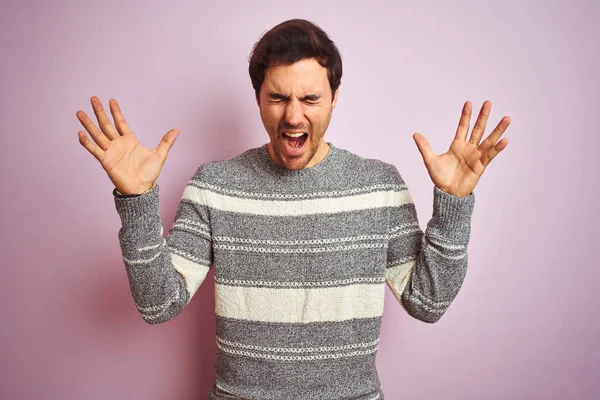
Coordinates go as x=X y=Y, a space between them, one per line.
x=157 y=288
x=441 y=264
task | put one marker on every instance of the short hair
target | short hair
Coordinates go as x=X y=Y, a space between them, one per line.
x=292 y=41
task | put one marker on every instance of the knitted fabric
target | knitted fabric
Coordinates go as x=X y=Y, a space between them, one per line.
x=301 y=259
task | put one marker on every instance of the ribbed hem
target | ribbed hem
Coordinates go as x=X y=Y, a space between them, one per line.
x=452 y=215
x=131 y=208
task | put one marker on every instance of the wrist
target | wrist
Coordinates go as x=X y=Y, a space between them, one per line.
x=454 y=192
x=142 y=191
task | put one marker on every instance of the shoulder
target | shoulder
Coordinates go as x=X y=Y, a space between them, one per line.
x=239 y=168
x=368 y=169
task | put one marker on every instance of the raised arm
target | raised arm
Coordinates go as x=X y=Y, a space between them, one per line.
x=164 y=273
x=426 y=270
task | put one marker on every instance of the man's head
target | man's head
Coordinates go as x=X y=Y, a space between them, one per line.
x=296 y=71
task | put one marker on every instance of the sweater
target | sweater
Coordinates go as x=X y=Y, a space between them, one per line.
x=301 y=261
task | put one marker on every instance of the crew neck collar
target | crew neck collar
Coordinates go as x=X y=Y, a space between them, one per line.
x=315 y=169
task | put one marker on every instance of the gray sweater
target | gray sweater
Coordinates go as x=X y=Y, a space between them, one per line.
x=301 y=262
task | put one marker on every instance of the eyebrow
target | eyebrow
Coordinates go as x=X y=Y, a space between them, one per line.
x=281 y=96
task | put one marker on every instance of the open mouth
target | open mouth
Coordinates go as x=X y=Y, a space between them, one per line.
x=294 y=141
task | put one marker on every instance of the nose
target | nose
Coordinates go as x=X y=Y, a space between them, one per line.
x=293 y=113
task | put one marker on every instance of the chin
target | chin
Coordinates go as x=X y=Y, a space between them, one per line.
x=294 y=165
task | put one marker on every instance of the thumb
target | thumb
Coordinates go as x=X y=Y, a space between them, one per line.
x=424 y=148
x=167 y=142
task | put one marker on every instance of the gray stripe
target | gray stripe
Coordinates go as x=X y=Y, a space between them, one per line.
x=330 y=379
x=315 y=334
x=255 y=171
x=306 y=227
x=403 y=248
x=300 y=268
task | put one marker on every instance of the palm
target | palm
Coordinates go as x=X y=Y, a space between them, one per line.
x=131 y=167
x=458 y=170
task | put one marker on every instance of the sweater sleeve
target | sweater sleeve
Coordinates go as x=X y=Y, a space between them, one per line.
x=425 y=270
x=164 y=273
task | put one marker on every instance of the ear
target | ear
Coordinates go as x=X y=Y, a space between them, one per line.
x=257 y=99
x=335 y=98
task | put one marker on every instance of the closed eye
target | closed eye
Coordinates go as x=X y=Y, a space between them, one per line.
x=311 y=99
x=277 y=97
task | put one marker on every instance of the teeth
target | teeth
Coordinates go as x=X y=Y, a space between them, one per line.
x=294 y=135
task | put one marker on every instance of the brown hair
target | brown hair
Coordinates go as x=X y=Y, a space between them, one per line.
x=292 y=41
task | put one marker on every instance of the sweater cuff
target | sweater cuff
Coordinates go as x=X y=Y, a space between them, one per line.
x=132 y=209
x=452 y=215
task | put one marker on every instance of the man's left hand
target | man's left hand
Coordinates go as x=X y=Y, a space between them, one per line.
x=458 y=170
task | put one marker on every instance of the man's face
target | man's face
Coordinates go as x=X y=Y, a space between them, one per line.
x=295 y=104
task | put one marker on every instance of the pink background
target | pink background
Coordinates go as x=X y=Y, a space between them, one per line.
x=525 y=324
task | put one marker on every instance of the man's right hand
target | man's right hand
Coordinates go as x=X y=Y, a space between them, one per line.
x=131 y=167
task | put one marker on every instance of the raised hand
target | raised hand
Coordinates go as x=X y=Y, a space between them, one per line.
x=131 y=167
x=458 y=170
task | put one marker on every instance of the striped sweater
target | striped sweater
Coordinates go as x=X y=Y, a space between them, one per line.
x=301 y=262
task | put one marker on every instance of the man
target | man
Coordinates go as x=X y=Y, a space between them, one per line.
x=303 y=235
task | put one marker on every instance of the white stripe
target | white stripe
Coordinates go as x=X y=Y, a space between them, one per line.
x=196 y=224
x=187 y=255
x=390 y=198
x=409 y=226
x=398 y=234
x=426 y=307
x=445 y=255
x=297 y=358
x=193 y=229
x=300 y=305
x=157 y=308
x=397 y=277
x=299 y=349
x=298 y=196
x=299 y=242
x=338 y=282
x=438 y=304
x=193 y=274
x=395 y=263
x=200 y=224
x=446 y=245
x=276 y=250
x=141 y=260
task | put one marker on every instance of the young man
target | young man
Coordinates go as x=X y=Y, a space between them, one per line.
x=303 y=235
